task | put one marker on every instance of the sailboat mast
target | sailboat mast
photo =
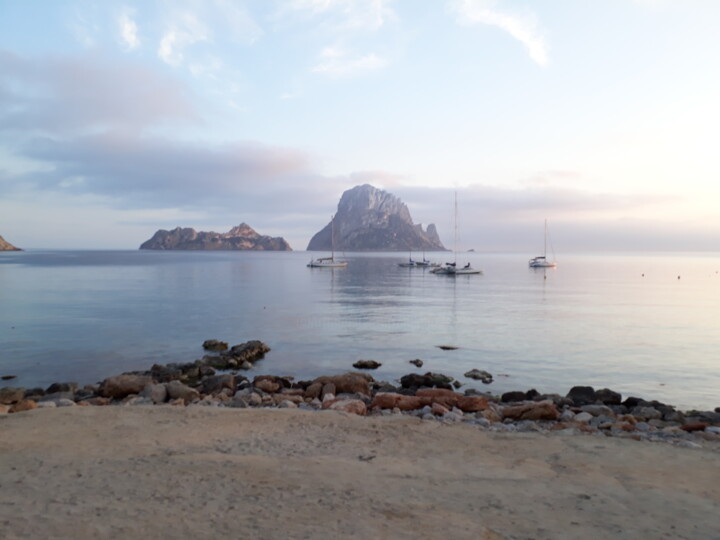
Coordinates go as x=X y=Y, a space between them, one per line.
x=455 y=236
x=332 y=236
x=545 y=246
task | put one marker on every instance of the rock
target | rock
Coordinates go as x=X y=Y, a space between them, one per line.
x=266 y=384
x=510 y=397
x=242 y=237
x=157 y=393
x=177 y=390
x=582 y=395
x=313 y=390
x=430 y=380
x=215 y=345
x=537 y=410
x=480 y=375
x=447 y=347
x=47 y=404
x=597 y=410
x=214 y=384
x=694 y=426
x=7 y=246
x=439 y=410
x=646 y=413
x=69 y=387
x=10 y=395
x=349 y=383
x=287 y=404
x=366 y=364
x=369 y=219
x=417 y=362
x=472 y=403
x=608 y=397
x=23 y=405
x=327 y=389
x=389 y=400
x=351 y=406
x=64 y=402
x=583 y=417
x=8 y=377
x=4 y=409
x=121 y=386
x=99 y=401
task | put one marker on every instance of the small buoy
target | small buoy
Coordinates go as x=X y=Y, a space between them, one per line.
x=678 y=277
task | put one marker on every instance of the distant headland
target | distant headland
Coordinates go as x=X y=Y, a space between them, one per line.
x=7 y=246
x=242 y=237
x=369 y=219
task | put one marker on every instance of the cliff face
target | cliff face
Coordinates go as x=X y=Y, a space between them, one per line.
x=242 y=237
x=7 y=246
x=369 y=219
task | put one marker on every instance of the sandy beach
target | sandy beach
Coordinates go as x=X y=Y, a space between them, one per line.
x=200 y=472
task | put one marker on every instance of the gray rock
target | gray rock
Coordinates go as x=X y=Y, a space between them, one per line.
x=646 y=413
x=598 y=410
x=214 y=384
x=157 y=393
x=46 y=404
x=10 y=395
x=70 y=387
x=121 y=386
x=178 y=390
x=62 y=402
x=242 y=237
x=582 y=395
x=583 y=417
x=479 y=375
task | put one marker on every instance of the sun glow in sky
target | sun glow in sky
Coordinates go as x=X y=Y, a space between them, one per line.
x=120 y=118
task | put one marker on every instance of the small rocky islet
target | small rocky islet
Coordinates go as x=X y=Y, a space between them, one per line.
x=215 y=380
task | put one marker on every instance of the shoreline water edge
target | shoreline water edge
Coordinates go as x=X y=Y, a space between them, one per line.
x=216 y=381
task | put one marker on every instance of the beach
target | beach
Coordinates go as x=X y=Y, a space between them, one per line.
x=207 y=472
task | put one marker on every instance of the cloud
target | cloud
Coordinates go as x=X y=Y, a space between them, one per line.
x=185 y=30
x=335 y=62
x=343 y=15
x=128 y=30
x=523 y=28
x=59 y=95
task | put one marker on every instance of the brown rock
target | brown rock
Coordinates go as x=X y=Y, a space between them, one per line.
x=122 y=386
x=694 y=426
x=266 y=383
x=99 y=401
x=349 y=383
x=385 y=400
x=4 y=409
x=439 y=410
x=10 y=395
x=313 y=391
x=327 y=389
x=23 y=405
x=540 y=410
x=492 y=415
x=410 y=403
x=472 y=403
x=352 y=406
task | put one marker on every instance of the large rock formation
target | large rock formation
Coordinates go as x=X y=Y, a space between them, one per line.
x=7 y=246
x=369 y=219
x=242 y=237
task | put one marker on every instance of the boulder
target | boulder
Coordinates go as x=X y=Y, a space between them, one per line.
x=267 y=383
x=23 y=405
x=366 y=364
x=608 y=397
x=214 y=384
x=430 y=380
x=10 y=395
x=313 y=390
x=479 y=375
x=156 y=392
x=348 y=383
x=215 y=345
x=352 y=406
x=537 y=410
x=472 y=403
x=121 y=386
x=417 y=362
x=177 y=390
x=510 y=397
x=70 y=387
x=582 y=395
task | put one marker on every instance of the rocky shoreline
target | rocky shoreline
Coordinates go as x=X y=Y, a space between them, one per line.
x=215 y=381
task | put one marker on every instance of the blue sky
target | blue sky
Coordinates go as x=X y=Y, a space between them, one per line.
x=120 y=118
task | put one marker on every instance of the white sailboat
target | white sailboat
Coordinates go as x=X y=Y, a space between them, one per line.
x=328 y=262
x=451 y=269
x=542 y=260
x=410 y=262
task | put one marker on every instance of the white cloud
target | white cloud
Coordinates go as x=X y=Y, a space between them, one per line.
x=185 y=30
x=336 y=62
x=242 y=26
x=523 y=28
x=364 y=14
x=128 y=30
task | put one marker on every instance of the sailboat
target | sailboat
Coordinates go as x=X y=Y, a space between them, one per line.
x=451 y=269
x=542 y=261
x=410 y=262
x=328 y=262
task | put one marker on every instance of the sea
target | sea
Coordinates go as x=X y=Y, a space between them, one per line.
x=645 y=325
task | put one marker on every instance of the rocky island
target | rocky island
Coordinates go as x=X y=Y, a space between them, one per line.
x=369 y=219
x=7 y=246
x=242 y=237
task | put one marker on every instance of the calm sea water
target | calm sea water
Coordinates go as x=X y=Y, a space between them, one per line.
x=617 y=321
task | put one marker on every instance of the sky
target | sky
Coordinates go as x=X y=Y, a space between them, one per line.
x=119 y=118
